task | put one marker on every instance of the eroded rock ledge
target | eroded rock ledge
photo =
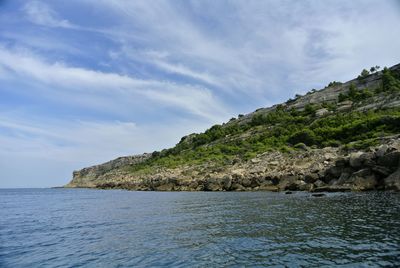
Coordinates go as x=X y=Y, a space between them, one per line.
x=314 y=170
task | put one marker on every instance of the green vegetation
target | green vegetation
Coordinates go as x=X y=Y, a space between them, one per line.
x=364 y=73
x=278 y=130
x=355 y=95
x=285 y=129
x=333 y=84
x=390 y=81
x=374 y=69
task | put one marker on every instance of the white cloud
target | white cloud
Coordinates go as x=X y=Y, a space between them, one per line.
x=261 y=48
x=42 y=14
x=75 y=80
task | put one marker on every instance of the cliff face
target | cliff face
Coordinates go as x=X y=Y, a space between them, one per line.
x=343 y=137
x=92 y=176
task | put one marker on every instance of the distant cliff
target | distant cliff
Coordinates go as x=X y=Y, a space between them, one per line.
x=343 y=137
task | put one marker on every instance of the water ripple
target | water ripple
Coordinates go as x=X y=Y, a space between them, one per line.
x=72 y=228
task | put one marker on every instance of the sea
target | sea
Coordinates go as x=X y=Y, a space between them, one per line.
x=117 y=228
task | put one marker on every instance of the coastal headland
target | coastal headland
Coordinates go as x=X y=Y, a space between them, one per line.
x=344 y=137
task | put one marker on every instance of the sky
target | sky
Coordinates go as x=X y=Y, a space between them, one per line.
x=86 y=81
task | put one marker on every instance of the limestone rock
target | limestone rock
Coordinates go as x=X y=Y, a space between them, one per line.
x=356 y=159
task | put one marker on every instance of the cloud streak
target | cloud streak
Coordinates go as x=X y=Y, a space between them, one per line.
x=41 y=14
x=196 y=100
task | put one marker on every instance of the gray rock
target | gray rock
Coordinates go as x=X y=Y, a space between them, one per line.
x=381 y=150
x=288 y=183
x=393 y=181
x=321 y=112
x=382 y=171
x=311 y=178
x=362 y=173
x=165 y=187
x=366 y=183
x=360 y=159
x=319 y=183
x=341 y=162
x=227 y=182
x=390 y=160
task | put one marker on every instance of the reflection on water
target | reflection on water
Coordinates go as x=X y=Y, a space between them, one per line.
x=62 y=227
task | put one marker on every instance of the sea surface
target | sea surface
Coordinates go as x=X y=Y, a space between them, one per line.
x=112 y=228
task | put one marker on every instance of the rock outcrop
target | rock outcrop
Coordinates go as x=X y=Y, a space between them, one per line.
x=90 y=176
x=303 y=168
x=316 y=170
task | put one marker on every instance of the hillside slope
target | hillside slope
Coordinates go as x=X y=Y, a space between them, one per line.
x=343 y=137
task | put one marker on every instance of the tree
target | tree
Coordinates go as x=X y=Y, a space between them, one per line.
x=374 y=69
x=389 y=82
x=364 y=73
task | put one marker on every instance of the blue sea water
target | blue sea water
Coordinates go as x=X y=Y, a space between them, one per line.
x=97 y=228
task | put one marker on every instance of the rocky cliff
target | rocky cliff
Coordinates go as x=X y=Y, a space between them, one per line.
x=344 y=137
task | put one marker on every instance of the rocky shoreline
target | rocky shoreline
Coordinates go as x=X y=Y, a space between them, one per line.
x=314 y=170
x=266 y=150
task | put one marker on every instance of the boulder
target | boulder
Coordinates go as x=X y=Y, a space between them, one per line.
x=341 y=162
x=237 y=187
x=246 y=182
x=390 y=160
x=213 y=184
x=289 y=183
x=362 y=173
x=366 y=183
x=311 y=178
x=319 y=183
x=226 y=182
x=165 y=187
x=381 y=171
x=343 y=179
x=360 y=159
x=381 y=150
x=356 y=160
x=392 y=182
x=333 y=171
x=321 y=112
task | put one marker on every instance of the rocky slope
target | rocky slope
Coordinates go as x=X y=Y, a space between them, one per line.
x=351 y=144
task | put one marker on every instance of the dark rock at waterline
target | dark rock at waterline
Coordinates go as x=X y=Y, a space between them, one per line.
x=318 y=194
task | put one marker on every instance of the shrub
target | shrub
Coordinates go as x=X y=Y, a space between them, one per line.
x=310 y=109
x=305 y=136
x=334 y=83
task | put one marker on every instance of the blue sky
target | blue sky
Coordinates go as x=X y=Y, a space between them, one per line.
x=85 y=81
